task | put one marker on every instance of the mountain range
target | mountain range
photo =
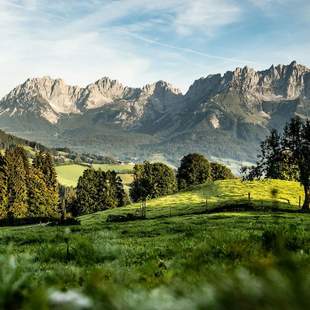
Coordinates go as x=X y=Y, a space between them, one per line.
x=222 y=116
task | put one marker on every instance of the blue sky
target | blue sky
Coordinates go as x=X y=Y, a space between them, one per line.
x=140 y=41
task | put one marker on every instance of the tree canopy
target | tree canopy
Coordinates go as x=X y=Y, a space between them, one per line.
x=194 y=169
x=220 y=172
x=98 y=190
x=152 y=180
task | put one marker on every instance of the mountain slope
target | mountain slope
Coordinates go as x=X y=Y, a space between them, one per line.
x=220 y=115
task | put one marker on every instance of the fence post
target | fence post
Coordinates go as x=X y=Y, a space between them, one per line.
x=299 y=202
x=249 y=197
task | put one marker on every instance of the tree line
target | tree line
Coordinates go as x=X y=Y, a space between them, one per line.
x=153 y=180
x=285 y=156
x=30 y=189
x=27 y=190
x=98 y=190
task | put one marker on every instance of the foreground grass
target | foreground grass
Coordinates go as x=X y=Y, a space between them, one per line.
x=248 y=260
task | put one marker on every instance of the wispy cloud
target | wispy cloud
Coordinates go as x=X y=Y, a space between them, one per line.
x=138 y=41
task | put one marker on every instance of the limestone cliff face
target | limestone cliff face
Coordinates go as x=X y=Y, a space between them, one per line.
x=251 y=96
x=276 y=83
x=50 y=99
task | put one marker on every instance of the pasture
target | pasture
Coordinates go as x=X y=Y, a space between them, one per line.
x=68 y=175
x=177 y=258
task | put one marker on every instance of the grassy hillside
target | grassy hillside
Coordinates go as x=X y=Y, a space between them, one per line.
x=69 y=174
x=177 y=260
x=217 y=193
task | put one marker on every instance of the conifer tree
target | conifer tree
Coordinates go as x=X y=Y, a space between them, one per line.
x=40 y=198
x=3 y=187
x=104 y=191
x=43 y=162
x=121 y=196
x=86 y=192
x=17 y=183
x=296 y=144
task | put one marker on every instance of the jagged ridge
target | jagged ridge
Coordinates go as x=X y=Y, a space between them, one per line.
x=221 y=115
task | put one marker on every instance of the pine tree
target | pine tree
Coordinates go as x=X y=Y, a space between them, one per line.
x=3 y=187
x=287 y=159
x=121 y=196
x=104 y=198
x=296 y=144
x=43 y=162
x=40 y=198
x=86 y=192
x=17 y=183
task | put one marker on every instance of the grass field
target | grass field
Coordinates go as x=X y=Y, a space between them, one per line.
x=69 y=174
x=217 y=193
x=175 y=259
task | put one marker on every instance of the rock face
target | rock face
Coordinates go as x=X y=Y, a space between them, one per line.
x=51 y=99
x=221 y=115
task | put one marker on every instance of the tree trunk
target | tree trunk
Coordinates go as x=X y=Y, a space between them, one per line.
x=306 y=204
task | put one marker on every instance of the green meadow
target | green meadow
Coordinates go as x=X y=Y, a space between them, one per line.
x=179 y=257
x=68 y=175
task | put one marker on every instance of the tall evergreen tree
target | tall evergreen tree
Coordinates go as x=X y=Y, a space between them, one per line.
x=17 y=183
x=287 y=159
x=296 y=144
x=121 y=196
x=3 y=187
x=40 y=197
x=105 y=191
x=86 y=192
x=43 y=162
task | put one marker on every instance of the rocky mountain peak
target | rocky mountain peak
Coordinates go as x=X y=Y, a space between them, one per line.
x=159 y=88
x=51 y=98
x=46 y=96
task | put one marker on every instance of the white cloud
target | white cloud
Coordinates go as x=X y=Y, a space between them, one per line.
x=205 y=15
x=134 y=41
x=39 y=37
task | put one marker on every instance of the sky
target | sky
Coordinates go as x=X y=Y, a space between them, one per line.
x=140 y=41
